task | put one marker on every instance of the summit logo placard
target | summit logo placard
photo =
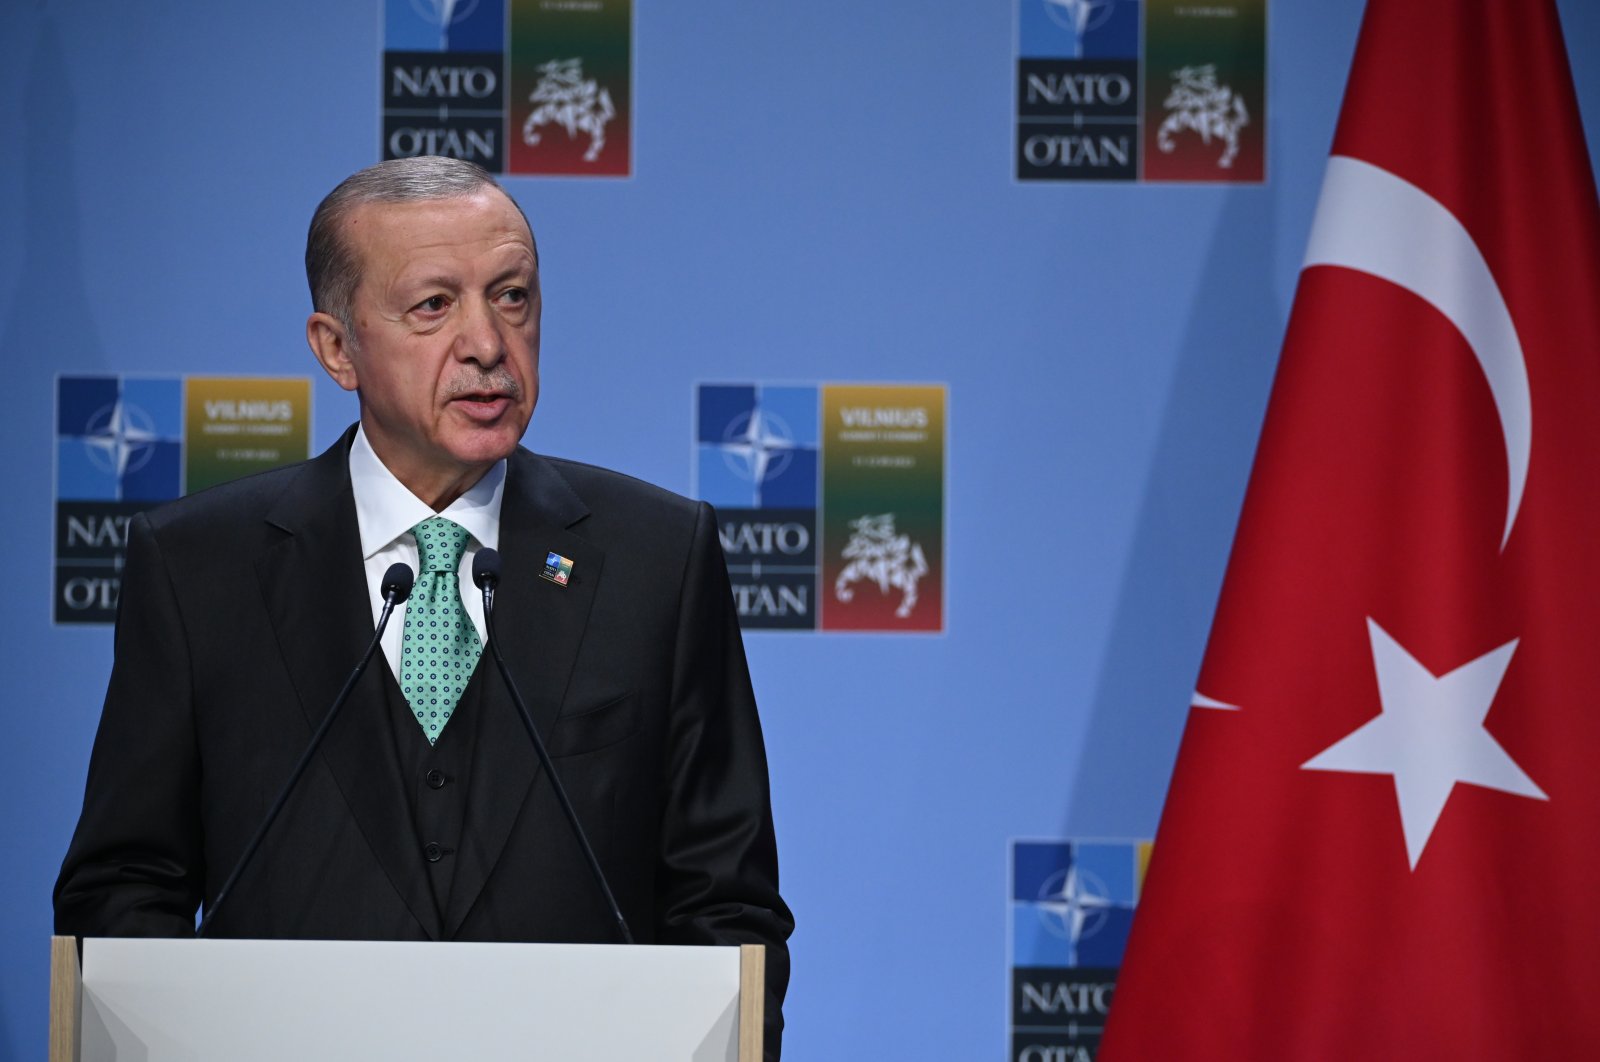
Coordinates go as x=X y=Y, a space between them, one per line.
x=1141 y=90
x=125 y=444
x=757 y=451
x=1072 y=905
x=517 y=86
x=830 y=501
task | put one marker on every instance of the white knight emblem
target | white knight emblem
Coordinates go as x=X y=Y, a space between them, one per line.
x=564 y=98
x=877 y=554
x=1200 y=105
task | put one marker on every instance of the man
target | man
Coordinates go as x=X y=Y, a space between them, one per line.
x=426 y=815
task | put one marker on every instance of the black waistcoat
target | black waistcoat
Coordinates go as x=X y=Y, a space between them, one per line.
x=435 y=777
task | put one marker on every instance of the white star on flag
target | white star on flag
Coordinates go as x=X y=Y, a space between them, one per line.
x=1429 y=736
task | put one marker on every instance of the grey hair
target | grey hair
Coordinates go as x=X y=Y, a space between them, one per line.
x=333 y=269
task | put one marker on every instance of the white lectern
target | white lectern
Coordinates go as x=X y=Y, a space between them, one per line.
x=248 y=1000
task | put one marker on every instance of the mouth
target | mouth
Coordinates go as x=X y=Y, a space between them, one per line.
x=482 y=405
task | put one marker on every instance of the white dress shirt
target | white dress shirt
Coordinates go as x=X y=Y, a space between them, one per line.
x=386 y=511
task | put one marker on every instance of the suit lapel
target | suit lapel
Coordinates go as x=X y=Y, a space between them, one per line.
x=539 y=626
x=316 y=594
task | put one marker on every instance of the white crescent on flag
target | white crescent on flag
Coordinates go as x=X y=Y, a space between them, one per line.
x=1372 y=221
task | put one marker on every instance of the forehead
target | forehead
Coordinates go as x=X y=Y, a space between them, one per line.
x=388 y=237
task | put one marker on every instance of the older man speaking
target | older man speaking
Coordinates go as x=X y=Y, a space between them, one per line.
x=426 y=814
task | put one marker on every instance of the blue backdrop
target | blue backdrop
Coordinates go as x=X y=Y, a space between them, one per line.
x=822 y=191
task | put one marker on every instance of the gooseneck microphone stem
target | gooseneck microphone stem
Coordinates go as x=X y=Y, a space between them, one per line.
x=486 y=573
x=396 y=587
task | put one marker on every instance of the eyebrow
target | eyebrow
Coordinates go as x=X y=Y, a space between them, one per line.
x=435 y=280
x=452 y=281
x=527 y=269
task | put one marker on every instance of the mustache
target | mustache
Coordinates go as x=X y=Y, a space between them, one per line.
x=498 y=380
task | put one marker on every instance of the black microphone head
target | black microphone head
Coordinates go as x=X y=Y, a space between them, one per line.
x=486 y=568
x=397 y=581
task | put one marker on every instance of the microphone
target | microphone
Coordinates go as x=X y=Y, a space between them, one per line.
x=486 y=574
x=486 y=577
x=395 y=588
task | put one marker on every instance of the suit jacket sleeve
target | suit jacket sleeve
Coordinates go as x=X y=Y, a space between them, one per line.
x=719 y=880
x=134 y=866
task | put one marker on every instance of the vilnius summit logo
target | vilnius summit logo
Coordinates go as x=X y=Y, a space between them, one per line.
x=517 y=86
x=830 y=502
x=125 y=444
x=1141 y=90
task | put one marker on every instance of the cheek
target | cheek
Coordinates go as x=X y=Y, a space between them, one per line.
x=413 y=394
x=527 y=355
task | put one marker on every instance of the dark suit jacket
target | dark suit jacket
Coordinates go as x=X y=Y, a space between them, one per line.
x=244 y=609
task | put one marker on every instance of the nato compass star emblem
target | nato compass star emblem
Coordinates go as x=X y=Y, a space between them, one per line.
x=120 y=438
x=1079 y=16
x=1073 y=904
x=444 y=14
x=757 y=446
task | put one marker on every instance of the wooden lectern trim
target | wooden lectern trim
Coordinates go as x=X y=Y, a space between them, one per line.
x=752 y=1000
x=66 y=999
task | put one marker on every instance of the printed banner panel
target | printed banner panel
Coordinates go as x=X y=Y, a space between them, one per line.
x=830 y=502
x=1072 y=905
x=883 y=508
x=1141 y=90
x=125 y=444
x=518 y=86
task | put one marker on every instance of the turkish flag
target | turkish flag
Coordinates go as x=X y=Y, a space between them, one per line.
x=1382 y=838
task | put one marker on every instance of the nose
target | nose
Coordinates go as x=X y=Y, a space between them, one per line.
x=479 y=339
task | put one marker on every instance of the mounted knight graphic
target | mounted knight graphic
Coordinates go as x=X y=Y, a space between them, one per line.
x=1200 y=105
x=880 y=556
x=563 y=97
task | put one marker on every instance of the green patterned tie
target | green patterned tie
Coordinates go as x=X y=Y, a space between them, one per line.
x=440 y=647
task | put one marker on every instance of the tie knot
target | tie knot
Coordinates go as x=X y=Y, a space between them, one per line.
x=441 y=543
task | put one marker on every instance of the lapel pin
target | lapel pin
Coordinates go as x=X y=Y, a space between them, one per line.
x=557 y=569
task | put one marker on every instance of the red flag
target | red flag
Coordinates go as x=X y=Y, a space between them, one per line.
x=1382 y=838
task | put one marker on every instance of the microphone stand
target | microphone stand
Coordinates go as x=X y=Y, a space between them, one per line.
x=486 y=573
x=396 y=587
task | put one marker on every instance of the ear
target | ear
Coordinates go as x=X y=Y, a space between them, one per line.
x=326 y=336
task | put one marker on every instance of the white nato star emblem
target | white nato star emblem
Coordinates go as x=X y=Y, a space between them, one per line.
x=1429 y=736
x=762 y=445
x=120 y=438
x=1073 y=904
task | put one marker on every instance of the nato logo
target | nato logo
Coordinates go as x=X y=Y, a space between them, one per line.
x=757 y=446
x=1071 y=907
x=756 y=452
x=1078 y=29
x=444 y=25
x=1072 y=902
x=119 y=438
x=444 y=90
x=1078 y=90
x=119 y=451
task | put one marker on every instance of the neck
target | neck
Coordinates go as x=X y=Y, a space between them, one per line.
x=440 y=492
x=438 y=487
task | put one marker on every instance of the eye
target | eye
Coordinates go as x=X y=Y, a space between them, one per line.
x=514 y=296
x=433 y=304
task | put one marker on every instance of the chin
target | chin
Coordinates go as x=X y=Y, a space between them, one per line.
x=487 y=446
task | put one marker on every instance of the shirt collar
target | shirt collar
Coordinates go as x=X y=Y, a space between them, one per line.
x=386 y=509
